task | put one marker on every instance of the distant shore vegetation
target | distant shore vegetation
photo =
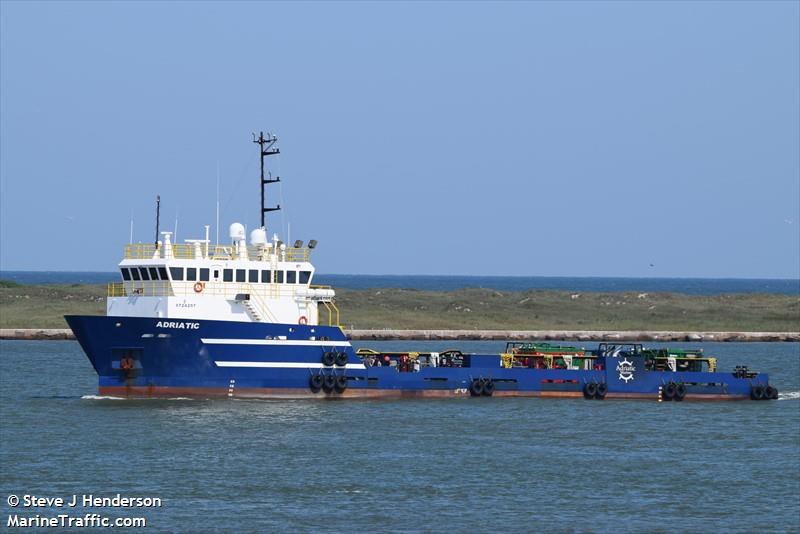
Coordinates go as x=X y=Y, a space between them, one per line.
x=43 y=306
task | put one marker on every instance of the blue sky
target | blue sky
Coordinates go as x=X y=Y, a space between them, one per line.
x=572 y=139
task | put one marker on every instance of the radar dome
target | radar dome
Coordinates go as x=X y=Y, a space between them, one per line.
x=236 y=231
x=258 y=237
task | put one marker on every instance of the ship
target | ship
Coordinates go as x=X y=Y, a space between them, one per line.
x=245 y=320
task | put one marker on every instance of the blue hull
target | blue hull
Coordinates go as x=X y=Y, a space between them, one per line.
x=236 y=359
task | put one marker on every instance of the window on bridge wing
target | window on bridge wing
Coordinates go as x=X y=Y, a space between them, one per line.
x=241 y=275
x=227 y=275
x=191 y=273
x=266 y=277
x=162 y=273
x=305 y=277
x=143 y=272
x=252 y=276
x=176 y=272
x=126 y=274
x=291 y=277
x=279 y=277
x=203 y=275
x=153 y=273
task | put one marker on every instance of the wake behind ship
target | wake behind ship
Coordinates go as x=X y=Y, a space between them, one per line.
x=246 y=320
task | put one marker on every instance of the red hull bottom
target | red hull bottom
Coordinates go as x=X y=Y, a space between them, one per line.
x=303 y=393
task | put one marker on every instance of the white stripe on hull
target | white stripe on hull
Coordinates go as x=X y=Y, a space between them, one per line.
x=285 y=365
x=278 y=342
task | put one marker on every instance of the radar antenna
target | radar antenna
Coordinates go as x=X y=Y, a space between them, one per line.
x=266 y=147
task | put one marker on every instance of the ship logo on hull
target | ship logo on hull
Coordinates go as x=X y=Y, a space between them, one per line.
x=625 y=370
x=181 y=325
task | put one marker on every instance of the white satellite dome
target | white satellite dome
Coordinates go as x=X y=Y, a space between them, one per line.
x=258 y=237
x=236 y=231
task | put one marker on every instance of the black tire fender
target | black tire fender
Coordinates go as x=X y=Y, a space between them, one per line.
x=602 y=389
x=476 y=387
x=328 y=359
x=329 y=383
x=771 y=392
x=589 y=390
x=668 y=391
x=315 y=383
x=488 y=387
x=341 y=359
x=757 y=393
x=341 y=383
x=680 y=391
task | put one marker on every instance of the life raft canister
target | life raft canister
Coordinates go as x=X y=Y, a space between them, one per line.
x=198 y=287
x=302 y=320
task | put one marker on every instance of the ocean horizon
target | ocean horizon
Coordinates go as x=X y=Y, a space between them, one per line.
x=690 y=286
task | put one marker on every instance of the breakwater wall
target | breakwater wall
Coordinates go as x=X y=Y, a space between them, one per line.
x=487 y=335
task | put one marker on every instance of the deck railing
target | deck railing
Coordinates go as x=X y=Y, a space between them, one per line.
x=227 y=290
x=142 y=251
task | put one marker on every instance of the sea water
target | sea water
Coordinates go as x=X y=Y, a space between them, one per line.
x=512 y=465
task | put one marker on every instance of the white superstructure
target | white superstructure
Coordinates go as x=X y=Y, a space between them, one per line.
x=263 y=282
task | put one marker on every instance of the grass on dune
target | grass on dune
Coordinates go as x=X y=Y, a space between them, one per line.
x=43 y=306
x=550 y=310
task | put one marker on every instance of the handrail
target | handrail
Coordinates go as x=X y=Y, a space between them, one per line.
x=333 y=313
x=165 y=288
x=228 y=290
x=262 y=305
x=148 y=251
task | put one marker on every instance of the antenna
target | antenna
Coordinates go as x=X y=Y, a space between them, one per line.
x=266 y=148
x=175 y=233
x=217 y=202
x=158 y=216
x=131 y=240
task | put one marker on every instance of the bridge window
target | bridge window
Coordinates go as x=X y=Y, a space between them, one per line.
x=176 y=272
x=305 y=277
x=279 y=277
x=266 y=277
x=143 y=271
x=227 y=275
x=126 y=275
x=203 y=275
x=252 y=275
x=191 y=273
x=135 y=273
x=291 y=277
x=162 y=273
x=240 y=275
x=153 y=273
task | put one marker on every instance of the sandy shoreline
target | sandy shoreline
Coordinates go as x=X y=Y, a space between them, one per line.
x=485 y=335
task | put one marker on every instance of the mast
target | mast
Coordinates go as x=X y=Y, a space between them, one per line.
x=158 y=216
x=266 y=148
